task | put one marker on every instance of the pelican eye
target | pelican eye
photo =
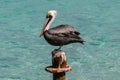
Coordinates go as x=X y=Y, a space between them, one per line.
x=48 y=16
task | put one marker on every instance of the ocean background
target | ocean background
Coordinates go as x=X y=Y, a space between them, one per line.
x=24 y=56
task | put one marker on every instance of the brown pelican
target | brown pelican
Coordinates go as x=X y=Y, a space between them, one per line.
x=60 y=35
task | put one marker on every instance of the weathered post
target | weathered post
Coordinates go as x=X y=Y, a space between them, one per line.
x=59 y=65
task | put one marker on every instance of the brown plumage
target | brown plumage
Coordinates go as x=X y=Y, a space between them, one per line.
x=60 y=35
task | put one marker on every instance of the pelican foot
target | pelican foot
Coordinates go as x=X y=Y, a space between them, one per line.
x=57 y=49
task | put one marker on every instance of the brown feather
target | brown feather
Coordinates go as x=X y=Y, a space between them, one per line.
x=62 y=29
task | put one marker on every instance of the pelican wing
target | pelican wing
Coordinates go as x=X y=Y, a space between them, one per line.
x=68 y=35
x=63 y=30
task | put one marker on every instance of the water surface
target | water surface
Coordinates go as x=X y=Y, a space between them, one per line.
x=23 y=55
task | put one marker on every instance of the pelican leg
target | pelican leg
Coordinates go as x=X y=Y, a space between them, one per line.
x=58 y=48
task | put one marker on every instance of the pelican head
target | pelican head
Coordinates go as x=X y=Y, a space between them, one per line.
x=49 y=19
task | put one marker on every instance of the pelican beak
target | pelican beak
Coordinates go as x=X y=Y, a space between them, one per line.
x=44 y=27
x=49 y=18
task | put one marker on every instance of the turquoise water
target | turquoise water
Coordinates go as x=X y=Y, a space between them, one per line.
x=23 y=55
